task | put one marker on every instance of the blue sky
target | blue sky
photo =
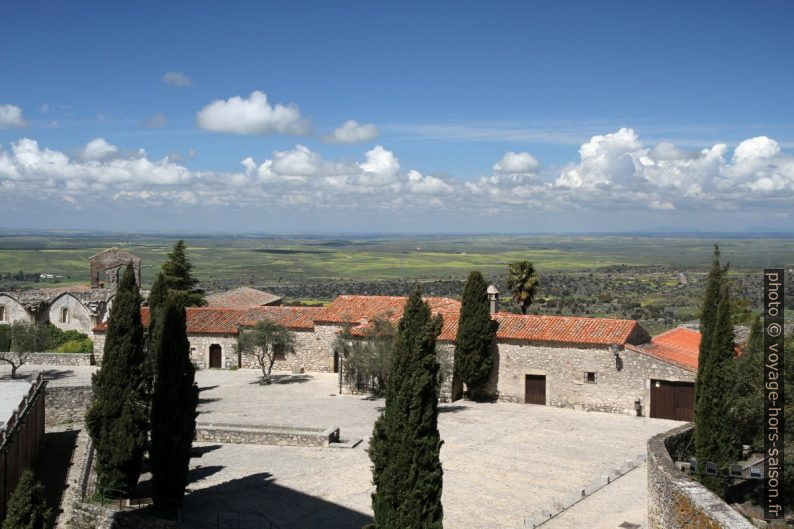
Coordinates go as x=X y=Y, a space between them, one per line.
x=469 y=116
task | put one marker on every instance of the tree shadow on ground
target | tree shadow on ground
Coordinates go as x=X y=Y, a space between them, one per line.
x=199 y=451
x=144 y=487
x=48 y=374
x=52 y=466
x=207 y=388
x=259 y=493
x=451 y=408
x=208 y=400
x=282 y=379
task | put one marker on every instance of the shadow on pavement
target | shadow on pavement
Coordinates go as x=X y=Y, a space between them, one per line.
x=286 y=507
x=52 y=466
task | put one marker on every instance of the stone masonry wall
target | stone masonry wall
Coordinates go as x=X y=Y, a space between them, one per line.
x=314 y=352
x=14 y=311
x=61 y=359
x=200 y=349
x=264 y=435
x=66 y=404
x=676 y=501
x=79 y=319
x=564 y=367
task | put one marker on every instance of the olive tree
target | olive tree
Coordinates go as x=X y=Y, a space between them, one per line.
x=265 y=341
x=26 y=338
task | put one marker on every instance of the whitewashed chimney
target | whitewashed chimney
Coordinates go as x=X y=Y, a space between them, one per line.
x=493 y=297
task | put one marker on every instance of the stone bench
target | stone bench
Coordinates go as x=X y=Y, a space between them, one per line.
x=266 y=434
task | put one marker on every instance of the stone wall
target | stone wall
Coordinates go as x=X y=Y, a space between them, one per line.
x=66 y=404
x=614 y=390
x=14 y=311
x=61 y=359
x=266 y=435
x=676 y=501
x=314 y=352
x=78 y=318
x=200 y=349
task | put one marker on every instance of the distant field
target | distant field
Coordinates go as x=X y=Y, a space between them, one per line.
x=261 y=260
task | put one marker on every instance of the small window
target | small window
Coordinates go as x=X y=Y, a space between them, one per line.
x=64 y=315
x=2 y=313
x=590 y=377
x=278 y=352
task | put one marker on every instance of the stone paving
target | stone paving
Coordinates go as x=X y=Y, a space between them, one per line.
x=501 y=461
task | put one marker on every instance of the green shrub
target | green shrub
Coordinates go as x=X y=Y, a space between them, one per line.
x=82 y=345
x=5 y=338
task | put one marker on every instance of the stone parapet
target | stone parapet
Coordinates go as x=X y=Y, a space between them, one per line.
x=266 y=434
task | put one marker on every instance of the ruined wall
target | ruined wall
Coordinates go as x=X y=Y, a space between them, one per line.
x=108 y=266
x=564 y=367
x=676 y=501
x=14 y=311
x=79 y=318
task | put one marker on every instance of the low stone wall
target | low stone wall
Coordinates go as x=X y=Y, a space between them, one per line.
x=265 y=435
x=62 y=359
x=66 y=404
x=676 y=501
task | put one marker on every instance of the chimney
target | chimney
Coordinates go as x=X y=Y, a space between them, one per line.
x=493 y=297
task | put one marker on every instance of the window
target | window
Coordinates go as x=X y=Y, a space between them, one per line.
x=64 y=315
x=278 y=352
x=589 y=377
x=2 y=313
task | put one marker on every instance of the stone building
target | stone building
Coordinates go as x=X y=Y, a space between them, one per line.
x=598 y=364
x=78 y=308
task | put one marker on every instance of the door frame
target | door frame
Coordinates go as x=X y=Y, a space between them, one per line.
x=523 y=383
x=209 y=356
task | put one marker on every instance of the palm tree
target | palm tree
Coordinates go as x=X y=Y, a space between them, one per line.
x=522 y=280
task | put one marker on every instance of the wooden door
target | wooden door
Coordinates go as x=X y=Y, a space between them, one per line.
x=672 y=400
x=215 y=356
x=535 y=389
x=457 y=388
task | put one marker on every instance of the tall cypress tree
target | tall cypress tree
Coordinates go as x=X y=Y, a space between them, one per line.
x=476 y=330
x=178 y=272
x=27 y=507
x=748 y=394
x=405 y=443
x=118 y=418
x=156 y=301
x=174 y=402
x=708 y=314
x=715 y=435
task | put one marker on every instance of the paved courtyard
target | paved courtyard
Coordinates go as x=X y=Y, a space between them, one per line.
x=501 y=461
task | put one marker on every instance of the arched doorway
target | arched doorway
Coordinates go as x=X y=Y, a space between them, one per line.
x=216 y=356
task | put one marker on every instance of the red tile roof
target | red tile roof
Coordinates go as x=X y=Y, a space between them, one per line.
x=357 y=308
x=209 y=320
x=679 y=346
x=568 y=329
x=299 y=318
x=242 y=298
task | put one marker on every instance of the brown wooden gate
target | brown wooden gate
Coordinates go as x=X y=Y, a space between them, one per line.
x=535 y=389
x=215 y=356
x=672 y=400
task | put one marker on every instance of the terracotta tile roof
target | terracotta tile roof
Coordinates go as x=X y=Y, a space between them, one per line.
x=215 y=320
x=357 y=308
x=568 y=329
x=299 y=318
x=679 y=346
x=242 y=298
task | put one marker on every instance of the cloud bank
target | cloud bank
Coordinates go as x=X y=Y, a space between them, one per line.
x=614 y=171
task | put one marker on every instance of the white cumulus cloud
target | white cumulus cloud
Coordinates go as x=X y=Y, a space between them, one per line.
x=11 y=116
x=516 y=163
x=98 y=148
x=252 y=115
x=352 y=132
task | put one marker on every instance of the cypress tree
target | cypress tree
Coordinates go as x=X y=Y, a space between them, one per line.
x=708 y=314
x=118 y=417
x=156 y=301
x=174 y=402
x=27 y=507
x=748 y=395
x=476 y=330
x=715 y=435
x=405 y=443
x=178 y=272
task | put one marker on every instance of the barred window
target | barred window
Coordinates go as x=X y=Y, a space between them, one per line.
x=590 y=377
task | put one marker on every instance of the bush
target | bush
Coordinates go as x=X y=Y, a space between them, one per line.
x=84 y=345
x=5 y=338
